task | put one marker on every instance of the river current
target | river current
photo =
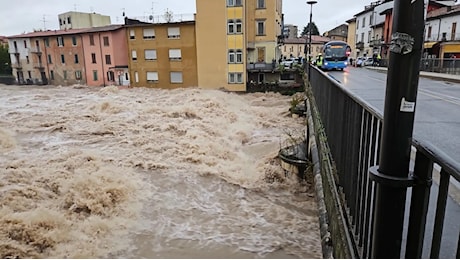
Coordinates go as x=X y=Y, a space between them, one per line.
x=150 y=173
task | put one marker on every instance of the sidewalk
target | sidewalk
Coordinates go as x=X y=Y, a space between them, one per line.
x=430 y=75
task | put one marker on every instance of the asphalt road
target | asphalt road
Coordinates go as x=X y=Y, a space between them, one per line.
x=437 y=113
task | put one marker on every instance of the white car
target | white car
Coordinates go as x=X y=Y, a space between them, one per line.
x=369 y=61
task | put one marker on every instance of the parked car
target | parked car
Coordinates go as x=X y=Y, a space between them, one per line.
x=369 y=61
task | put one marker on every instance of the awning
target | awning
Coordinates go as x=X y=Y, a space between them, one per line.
x=429 y=45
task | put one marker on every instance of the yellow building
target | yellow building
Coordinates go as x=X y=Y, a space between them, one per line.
x=351 y=38
x=236 y=40
x=162 y=55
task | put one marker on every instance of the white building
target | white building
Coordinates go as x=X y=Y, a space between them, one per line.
x=79 y=20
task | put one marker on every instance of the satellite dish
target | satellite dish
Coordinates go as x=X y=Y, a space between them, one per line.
x=150 y=17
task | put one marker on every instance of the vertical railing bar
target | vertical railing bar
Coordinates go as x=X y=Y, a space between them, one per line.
x=361 y=153
x=423 y=171
x=367 y=247
x=370 y=158
x=440 y=213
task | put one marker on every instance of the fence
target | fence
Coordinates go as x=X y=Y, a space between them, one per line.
x=447 y=65
x=347 y=136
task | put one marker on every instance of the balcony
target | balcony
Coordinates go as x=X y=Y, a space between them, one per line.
x=36 y=50
x=251 y=46
x=360 y=45
x=16 y=65
x=261 y=66
x=375 y=43
x=39 y=66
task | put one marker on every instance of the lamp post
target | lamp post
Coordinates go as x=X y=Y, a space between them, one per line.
x=307 y=49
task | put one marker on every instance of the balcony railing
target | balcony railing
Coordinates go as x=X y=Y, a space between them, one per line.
x=360 y=45
x=261 y=66
x=36 y=50
x=375 y=43
x=39 y=66
x=16 y=65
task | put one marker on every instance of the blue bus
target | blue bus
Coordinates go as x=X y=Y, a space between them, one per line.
x=335 y=55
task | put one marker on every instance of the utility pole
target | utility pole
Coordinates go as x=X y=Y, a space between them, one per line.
x=392 y=174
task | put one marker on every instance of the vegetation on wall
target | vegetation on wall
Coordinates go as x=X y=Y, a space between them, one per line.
x=5 y=64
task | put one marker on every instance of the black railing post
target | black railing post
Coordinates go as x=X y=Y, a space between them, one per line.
x=392 y=175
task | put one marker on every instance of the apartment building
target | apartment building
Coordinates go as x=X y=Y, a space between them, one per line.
x=80 y=20
x=106 y=56
x=237 y=42
x=48 y=57
x=162 y=55
x=442 y=35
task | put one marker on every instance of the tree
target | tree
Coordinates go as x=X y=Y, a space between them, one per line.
x=314 y=29
x=5 y=64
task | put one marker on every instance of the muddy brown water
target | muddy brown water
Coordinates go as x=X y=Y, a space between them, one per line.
x=150 y=173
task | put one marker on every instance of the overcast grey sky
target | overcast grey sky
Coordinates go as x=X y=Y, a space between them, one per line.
x=20 y=16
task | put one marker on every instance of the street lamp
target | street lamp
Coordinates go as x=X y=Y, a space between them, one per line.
x=308 y=51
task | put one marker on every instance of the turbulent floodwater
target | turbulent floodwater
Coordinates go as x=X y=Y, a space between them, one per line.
x=150 y=173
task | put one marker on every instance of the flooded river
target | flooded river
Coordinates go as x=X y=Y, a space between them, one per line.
x=150 y=173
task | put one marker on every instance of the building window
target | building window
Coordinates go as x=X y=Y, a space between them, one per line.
x=27 y=59
x=78 y=75
x=47 y=42
x=136 y=76
x=152 y=77
x=239 y=26
x=175 y=54
x=234 y=2
x=91 y=40
x=65 y=74
x=429 y=33
x=51 y=75
x=108 y=60
x=357 y=23
x=68 y=20
x=235 y=56
x=106 y=40
x=174 y=33
x=362 y=37
x=231 y=26
x=95 y=75
x=364 y=21
x=260 y=27
x=149 y=33
x=60 y=41
x=76 y=58
x=93 y=58
x=50 y=61
x=74 y=41
x=150 y=54
x=132 y=34
x=231 y=56
x=176 y=77
x=25 y=44
x=29 y=73
x=62 y=58
x=239 y=56
x=369 y=36
x=134 y=55
x=110 y=75
x=235 y=77
x=260 y=4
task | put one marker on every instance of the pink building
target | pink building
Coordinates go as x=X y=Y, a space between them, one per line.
x=106 y=56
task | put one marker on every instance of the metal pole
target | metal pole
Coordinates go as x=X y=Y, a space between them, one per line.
x=392 y=176
x=307 y=51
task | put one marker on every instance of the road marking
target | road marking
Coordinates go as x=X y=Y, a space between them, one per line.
x=437 y=96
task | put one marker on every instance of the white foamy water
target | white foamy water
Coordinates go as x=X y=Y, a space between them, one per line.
x=149 y=173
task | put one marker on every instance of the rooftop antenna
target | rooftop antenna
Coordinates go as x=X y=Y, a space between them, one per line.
x=75 y=7
x=44 y=22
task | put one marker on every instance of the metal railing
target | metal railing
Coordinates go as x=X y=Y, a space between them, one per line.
x=348 y=133
x=446 y=65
